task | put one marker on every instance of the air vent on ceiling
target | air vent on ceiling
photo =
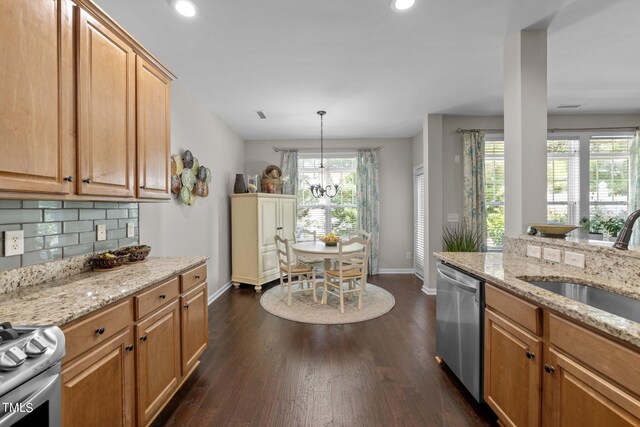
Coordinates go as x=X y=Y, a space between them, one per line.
x=261 y=114
x=570 y=106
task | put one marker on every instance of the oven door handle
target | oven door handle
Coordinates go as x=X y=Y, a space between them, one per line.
x=457 y=283
x=47 y=388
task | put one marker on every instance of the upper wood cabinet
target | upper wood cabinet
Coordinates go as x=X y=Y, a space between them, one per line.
x=36 y=96
x=153 y=137
x=106 y=111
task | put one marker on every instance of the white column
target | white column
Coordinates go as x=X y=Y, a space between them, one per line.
x=525 y=130
x=433 y=198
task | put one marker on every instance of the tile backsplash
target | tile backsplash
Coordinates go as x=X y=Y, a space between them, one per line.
x=56 y=229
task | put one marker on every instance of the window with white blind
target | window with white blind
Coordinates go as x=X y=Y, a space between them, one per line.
x=563 y=181
x=494 y=190
x=418 y=220
x=609 y=175
x=324 y=215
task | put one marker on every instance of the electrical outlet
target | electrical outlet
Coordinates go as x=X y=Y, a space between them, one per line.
x=130 y=229
x=101 y=232
x=552 y=255
x=408 y=255
x=534 y=251
x=453 y=217
x=574 y=259
x=13 y=243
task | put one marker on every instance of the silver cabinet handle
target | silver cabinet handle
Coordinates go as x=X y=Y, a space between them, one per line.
x=453 y=281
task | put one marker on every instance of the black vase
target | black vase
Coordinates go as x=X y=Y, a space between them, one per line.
x=239 y=187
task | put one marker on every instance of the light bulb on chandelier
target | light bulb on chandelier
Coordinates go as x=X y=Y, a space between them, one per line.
x=319 y=190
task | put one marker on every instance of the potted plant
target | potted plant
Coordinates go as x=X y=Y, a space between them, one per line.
x=460 y=238
x=613 y=226
x=594 y=225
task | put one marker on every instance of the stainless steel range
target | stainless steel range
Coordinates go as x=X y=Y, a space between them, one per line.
x=30 y=385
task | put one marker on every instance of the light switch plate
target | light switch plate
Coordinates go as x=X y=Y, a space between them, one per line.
x=453 y=217
x=13 y=243
x=552 y=255
x=574 y=259
x=101 y=232
x=534 y=251
x=130 y=229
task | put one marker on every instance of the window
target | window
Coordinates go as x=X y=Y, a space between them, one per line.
x=494 y=190
x=563 y=181
x=418 y=220
x=609 y=175
x=324 y=215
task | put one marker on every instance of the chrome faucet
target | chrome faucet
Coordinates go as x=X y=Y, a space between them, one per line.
x=622 y=242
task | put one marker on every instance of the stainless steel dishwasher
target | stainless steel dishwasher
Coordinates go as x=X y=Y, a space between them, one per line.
x=459 y=325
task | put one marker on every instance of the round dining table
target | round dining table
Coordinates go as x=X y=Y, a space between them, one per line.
x=320 y=250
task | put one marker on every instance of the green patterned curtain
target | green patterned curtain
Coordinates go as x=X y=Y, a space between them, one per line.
x=634 y=184
x=474 y=205
x=369 y=201
x=289 y=166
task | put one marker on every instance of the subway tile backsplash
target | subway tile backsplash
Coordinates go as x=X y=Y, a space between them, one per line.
x=55 y=229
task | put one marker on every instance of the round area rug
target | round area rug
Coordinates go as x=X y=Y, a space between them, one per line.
x=375 y=302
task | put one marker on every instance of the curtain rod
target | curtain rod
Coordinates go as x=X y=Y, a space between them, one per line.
x=276 y=149
x=460 y=130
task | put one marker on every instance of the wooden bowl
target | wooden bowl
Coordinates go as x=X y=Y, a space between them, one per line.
x=331 y=243
x=554 y=230
x=105 y=263
x=136 y=253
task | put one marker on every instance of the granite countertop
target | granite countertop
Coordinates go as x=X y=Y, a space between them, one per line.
x=60 y=301
x=504 y=270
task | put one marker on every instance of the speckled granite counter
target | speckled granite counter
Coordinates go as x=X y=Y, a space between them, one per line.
x=505 y=270
x=60 y=301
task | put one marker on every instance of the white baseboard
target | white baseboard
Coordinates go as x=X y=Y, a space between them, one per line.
x=395 y=271
x=428 y=291
x=219 y=292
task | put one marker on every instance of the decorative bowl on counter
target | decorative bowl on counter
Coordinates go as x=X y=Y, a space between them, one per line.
x=136 y=253
x=108 y=260
x=554 y=230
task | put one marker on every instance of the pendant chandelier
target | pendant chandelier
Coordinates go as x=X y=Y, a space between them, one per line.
x=319 y=190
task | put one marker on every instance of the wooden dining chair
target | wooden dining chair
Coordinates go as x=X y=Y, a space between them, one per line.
x=360 y=233
x=292 y=273
x=351 y=270
x=311 y=262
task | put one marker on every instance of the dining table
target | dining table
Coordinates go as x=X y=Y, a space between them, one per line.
x=316 y=249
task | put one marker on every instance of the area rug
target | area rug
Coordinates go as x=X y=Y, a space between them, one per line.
x=375 y=303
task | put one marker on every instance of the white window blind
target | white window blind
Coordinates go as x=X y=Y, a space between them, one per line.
x=563 y=181
x=418 y=221
x=609 y=175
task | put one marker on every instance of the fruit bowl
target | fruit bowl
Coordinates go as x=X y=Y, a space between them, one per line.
x=136 y=253
x=107 y=260
x=330 y=240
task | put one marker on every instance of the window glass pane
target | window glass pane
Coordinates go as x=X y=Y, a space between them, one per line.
x=312 y=219
x=494 y=192
x=343 y=221
x=558 y=214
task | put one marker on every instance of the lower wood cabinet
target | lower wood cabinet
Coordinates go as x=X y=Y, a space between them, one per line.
x=567 y=376
x=98 y=388
x=158 y=359
x=195 y=333
x=125 y=377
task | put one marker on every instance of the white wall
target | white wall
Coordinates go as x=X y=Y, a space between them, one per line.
x=417 y=149
x=173 y=229
x=396 y=188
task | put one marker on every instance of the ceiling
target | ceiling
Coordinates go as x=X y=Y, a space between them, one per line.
x=378 y=72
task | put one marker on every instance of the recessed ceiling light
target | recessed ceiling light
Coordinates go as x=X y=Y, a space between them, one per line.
x=401 y=5
x=184 y=7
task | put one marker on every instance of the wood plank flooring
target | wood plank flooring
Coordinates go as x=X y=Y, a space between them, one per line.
x=261 y=370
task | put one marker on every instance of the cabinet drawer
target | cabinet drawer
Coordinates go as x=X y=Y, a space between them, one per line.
x=97 y=328
x=156 y=297
x=193 y=277
x=525 y=314
x=611 y=359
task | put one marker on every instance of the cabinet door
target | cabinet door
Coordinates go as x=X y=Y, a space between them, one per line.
x=267 y=228
x=153 y=136
x=195 y=328
x=581 y=397
x=158 y=360
x=106 y=111
x=512 y=370
x=288 y=219
x=36 y=96
x=97 y=389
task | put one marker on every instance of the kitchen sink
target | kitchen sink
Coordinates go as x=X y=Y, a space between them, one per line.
x=610 y=302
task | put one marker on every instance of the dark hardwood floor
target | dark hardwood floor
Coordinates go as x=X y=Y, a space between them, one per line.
x=260 y=370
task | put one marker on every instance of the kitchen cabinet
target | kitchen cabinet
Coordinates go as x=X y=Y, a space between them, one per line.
x=36 y=88
x=158 y=360
x=100 y=385
x=122 y=369
x=195 y=334
x=106 y=111
x=153 y=136
x=567 y=375
x=255 y=221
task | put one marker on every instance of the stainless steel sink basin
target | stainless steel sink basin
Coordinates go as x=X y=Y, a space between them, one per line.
x=610 y=302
